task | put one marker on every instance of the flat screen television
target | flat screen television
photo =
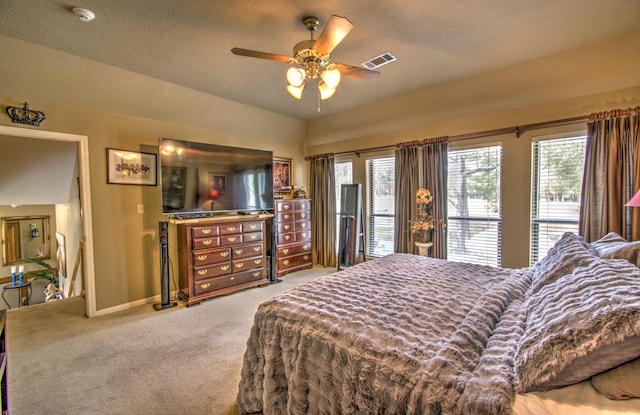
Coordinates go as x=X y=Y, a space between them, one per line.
x=200 y=179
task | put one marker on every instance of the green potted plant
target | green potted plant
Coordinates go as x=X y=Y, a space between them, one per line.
x=48 y=273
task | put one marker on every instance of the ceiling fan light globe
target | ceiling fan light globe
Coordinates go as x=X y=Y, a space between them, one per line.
x=326 y=91
x=296 y=76
x=295 y=91
x=331 y=77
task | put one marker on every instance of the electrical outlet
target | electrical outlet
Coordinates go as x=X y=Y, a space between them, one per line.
x=141 y=209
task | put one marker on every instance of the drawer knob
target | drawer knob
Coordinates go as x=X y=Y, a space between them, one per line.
x=232 y=278
x=286 y=227
x=207 y=242
x=232 y=239
x=306 y=257
x=205 y=285
x=303 y=215
x=240 y=265
x=253 y=227
x=206 y=231
x=202 y=257
x=239 y=251
x=303 y=205
x=224 y=254
x=257 y=261
x=304 y=234
x=231 y=228
x=306 y=247
x=257 y=248
x=224 y=267
x=203 y=271
x=285 y=251
x=285 y=207
x=253 y=236
x=256 y=274
x=287 y=237
x=286 y=262
x=303 y=225
x=287 y=216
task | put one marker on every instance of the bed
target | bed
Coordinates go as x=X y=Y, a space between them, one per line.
x=406 y=334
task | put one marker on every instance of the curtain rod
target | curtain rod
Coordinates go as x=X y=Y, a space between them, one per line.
x=518 y=130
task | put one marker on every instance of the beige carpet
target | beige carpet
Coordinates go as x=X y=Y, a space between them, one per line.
x=140 y=361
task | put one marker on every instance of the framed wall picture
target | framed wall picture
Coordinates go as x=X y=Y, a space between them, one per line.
x=282 y=175
x=174 y=182
x=131 y=167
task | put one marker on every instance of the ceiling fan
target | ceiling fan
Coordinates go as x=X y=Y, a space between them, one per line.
x=312 y=59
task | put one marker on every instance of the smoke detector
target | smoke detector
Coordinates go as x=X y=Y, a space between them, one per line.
x=85 y=15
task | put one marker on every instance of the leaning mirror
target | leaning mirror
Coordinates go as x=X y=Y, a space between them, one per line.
x=25 y=237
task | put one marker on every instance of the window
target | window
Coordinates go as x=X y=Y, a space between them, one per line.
x=343 y=175
x=474 y=203
x=557 y=182
x=380 y=205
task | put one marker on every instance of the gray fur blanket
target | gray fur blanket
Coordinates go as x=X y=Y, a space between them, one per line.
x=399 y=335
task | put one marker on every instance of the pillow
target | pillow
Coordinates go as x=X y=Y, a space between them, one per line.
x=569 y=252
x=615 y=246
x=580 y=325
x=622 y=382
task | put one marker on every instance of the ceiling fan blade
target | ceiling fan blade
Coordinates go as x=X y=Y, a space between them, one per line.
x=335 y=30
x=356 y=72
x=262 y=55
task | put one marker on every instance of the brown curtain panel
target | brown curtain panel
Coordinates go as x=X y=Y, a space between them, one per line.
x=435 y=167
x=611 y=175
x=322 y=192
x=407 y=176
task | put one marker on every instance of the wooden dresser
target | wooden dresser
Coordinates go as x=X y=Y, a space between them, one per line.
x=219 y=256
x=292 y=235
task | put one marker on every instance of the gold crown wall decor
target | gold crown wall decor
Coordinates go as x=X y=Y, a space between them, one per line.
x=24 y=115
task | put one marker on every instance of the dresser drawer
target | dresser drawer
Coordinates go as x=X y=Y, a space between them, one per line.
x=217 y=283
x=294 y=249
x=285 y=227
x=302 y=205
x=230 y=229
x=294 y=261
x=286 y=238
x=246 y=251
x=285 y=206
x=213 y=256
x=244 y=264
x=209 y=271
x=303 y=236
x=226 y=240
x=252 y=237
x=204 y=231
x=203 y=243
x=303 y=215
x=252 y=227
x=285 y=217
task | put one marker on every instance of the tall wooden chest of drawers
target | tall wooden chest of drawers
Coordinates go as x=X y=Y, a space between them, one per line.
x=292 y=235
x=220 y=256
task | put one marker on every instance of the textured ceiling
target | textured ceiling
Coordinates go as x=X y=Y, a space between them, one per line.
x=188 y=42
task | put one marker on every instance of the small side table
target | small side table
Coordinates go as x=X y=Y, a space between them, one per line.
x=424 y=248
x=9 y=287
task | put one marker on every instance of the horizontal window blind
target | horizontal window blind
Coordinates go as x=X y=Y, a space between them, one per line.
x=557 y=182
x=380 y=205
x=474 y=203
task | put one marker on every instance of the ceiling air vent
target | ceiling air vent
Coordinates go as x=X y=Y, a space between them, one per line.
x=379 y=60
